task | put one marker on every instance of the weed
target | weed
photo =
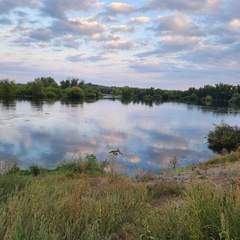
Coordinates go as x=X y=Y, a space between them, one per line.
x=165 y=189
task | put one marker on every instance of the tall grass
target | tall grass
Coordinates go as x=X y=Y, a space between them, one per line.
x=112 y=206
x=223 y=159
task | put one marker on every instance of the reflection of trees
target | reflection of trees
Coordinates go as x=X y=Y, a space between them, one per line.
x=149 y=103
x=8 y=103
x=72 y=103
x=37 y=104
x=126 y=101
x=215 y=108
x=93 y=100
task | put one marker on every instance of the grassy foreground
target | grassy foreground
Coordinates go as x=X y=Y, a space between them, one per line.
x=79 y=200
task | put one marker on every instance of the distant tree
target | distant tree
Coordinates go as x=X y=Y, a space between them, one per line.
x=36 y=88
x=90 y=93
x=47 y=81
x=193 y=97
x=70 y=83
x=235 y=99
x=208 y=98
x=65 y=84
x=116 y=92
x=75 y=93
x=74 y=82
x=7 y=88
x=81 y=84
x=126 y=92
x=165 y=96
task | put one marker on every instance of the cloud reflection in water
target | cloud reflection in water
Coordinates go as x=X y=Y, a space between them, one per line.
x=48 y=133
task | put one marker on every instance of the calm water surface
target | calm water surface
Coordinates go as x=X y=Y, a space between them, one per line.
x=46 y=133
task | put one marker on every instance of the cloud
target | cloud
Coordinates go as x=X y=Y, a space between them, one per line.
x=82 y=26
x=122 y=28
x=147 y=67
x=59 y=8
x=7 y=5
x=177 y=23
x=102 y=37
x=175 y=43
x=109 y=19
x=5 y=21
x=41 y=34
x=121 y=8
x=119 y=45
x=147 y=36
x=85 y=58
x=234 y=26
x=140 y=20
x=68 y=42
x=184 y=5
x=216 y=57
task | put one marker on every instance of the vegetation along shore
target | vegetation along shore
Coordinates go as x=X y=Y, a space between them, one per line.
x=48 y=88
x=88 y=199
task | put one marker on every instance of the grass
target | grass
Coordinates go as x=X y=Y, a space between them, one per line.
x=223 y=159
x=76 y=201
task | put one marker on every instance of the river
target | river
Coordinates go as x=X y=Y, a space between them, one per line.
x=149 y=136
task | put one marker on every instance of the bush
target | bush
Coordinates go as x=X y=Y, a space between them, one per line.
x=224 y=136
x=75 y=93
x=88 y=165
x=235 y=99
x=51 y=95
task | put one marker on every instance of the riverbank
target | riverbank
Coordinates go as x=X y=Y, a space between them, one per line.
x=80 y=201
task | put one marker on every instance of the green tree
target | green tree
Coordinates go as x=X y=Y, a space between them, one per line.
x=81 y=84
x=36 y=88
x=126 y=92
x=74 y=82
x=75 y=93
x=47 y=81
x=65 y=84
x=235 y=99
x=7 y=88
x=90 y=93
x=224 y=136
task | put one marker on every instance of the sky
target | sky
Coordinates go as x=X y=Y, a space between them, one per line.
x=167 y=44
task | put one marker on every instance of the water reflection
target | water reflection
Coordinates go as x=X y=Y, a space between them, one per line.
x=7 y=104
x=46 y=133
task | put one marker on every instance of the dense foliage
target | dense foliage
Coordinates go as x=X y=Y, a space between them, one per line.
x=47 y=87
x=224 y=136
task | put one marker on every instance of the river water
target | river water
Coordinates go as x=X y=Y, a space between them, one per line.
x=47 y=133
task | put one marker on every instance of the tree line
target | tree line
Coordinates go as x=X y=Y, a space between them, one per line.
x=47 y=87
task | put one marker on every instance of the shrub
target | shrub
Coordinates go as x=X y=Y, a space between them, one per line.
x=224 y=136
x=75 y=93
x=235 y=99
x=69 y=167
x=208 y=98
x=89 y=165
x=51 y=95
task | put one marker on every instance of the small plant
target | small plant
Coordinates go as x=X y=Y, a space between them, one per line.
x=67 y=167
x=165 y=189
x=14 y=169
x=173 y=162
x=34 y=169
